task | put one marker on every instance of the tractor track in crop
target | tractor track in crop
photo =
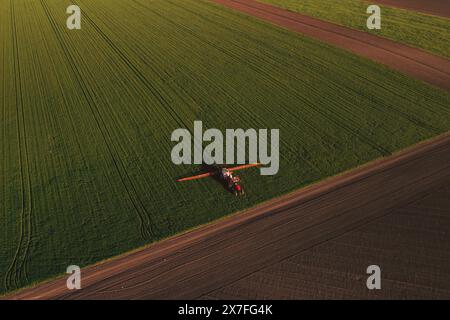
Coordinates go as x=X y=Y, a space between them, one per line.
x=146 y=226
x=258 y=68
x=228 y=91
x=4 y=158
x=321 y=136
x=18 y=267
x=318 y=133
x=159 y=93
x=324 y=137
x=135 y=70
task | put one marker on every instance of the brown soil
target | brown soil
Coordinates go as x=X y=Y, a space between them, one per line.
x=434 y=7
x=410 y=244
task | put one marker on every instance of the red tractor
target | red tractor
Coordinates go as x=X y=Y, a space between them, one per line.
x=232 y=182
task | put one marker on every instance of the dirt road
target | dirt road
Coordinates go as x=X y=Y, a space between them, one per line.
x=434 y=7
x=411 y=61
x=202 y=261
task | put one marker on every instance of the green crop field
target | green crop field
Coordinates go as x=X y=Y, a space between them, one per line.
x=424 y=31
x=87 y=116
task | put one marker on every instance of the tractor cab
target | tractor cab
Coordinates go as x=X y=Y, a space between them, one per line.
x=226 y=173
x=233 y=182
